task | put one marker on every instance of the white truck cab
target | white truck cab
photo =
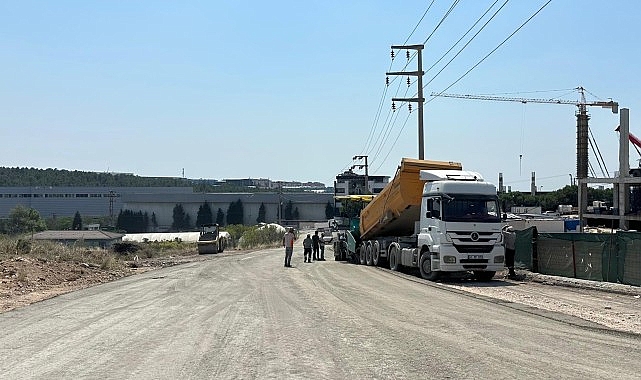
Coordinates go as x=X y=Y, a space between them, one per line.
x=460 y=224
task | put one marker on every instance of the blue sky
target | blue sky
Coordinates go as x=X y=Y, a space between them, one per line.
x=290 y=90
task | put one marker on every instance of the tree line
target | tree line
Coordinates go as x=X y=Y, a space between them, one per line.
x=26 y=177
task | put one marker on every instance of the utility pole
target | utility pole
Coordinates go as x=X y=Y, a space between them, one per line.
x=112 y=195
x=366 y=172
x=420 y=100
x=279 y=211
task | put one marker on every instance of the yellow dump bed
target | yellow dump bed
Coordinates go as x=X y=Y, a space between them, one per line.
x=396 y=208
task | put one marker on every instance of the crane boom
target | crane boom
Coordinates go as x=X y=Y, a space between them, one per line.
x=504 y=99
x=614 y=106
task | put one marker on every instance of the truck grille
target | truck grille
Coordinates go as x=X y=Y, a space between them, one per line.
x=462 y=248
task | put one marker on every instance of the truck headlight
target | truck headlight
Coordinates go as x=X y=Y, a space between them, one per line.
x=449 y=259
x=499 y=259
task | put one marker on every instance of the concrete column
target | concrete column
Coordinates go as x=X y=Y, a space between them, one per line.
x=624 y=166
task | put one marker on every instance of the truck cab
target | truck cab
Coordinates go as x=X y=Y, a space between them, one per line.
x=460 y=224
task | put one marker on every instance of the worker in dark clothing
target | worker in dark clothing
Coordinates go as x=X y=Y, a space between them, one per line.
x=509 y=242
x=315 y=245
x=321 y=245
x=307 y=249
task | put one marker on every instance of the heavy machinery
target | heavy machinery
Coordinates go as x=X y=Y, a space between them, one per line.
x=211 y=239
x=432 y=216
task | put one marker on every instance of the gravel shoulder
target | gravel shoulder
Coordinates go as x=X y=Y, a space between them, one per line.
x=614 y=306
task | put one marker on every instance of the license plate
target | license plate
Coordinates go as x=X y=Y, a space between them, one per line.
x=474 y=257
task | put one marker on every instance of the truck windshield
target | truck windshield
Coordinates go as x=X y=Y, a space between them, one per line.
x=471 y=208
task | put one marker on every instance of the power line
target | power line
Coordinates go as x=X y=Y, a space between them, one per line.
x=382 y=101
x=394 y=143
x=463 y=36
x=454 y=4
x=419 y=22
x=410 y=58
x=467 y=44
x=495 y=49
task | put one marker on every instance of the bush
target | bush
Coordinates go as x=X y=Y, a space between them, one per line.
x=125 y=247
x=236 y=231
x=23 y=247
x=261 y=237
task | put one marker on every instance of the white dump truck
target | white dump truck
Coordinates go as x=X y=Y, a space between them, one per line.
x=441 y=221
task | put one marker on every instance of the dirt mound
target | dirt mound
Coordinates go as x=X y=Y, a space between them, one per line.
x=25 y=280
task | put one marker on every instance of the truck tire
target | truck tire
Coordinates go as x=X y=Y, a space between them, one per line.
x=394 y=257
x=361 y=255
x=376 y=253
x=368 y=255
x=425 y=266
x=483 y=275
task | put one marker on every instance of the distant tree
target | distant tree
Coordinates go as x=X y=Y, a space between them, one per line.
x=24 y=219
x=180 y=219
x=132 y=221
x=77 y=222
x=235 y=213
x=154 y=221
x=329 y=210
x=204 y=215
x=220 y=217
x=59 y=223
x=289 y=210
x=261 y=214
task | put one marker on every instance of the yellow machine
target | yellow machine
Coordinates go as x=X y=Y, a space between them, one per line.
x=211 y=240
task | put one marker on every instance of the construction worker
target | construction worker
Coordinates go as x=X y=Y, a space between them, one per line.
x=321 y=245
x=509 y=242
x=315 y=245
x=307 y=249
x=288 y=244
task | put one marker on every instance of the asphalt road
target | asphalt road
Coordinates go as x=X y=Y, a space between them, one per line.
x=245 y=316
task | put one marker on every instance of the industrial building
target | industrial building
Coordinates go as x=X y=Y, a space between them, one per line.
x=52 y=202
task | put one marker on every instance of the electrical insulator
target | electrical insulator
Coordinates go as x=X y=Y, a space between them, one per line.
x=387 y=81
x=408 y=81
x=392 y=53
x=410 y=107
x=407 y=54
x=393 y=106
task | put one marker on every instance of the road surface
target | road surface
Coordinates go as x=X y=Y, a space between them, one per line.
x=245 y=316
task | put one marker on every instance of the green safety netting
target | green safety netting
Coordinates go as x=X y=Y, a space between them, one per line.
x=598 y=257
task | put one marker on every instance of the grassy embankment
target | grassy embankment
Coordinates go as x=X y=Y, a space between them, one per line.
x=128 y=253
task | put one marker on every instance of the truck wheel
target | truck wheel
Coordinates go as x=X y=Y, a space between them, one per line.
x=361 y=255
x=393 y=257
x=368 y=255
x=483 y=275
x=425 y=266
x=376 y=258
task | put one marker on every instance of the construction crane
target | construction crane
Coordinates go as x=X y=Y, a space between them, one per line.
x=582 y=117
